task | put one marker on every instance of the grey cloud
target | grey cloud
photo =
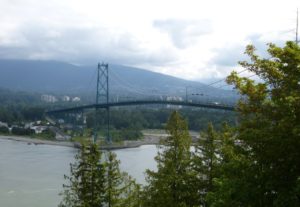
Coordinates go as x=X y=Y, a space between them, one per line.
x=261 y=45
x=81 y=45
x=229 y=56
x=184 y=33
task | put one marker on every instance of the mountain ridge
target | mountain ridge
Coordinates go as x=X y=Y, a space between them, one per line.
x=48 y=76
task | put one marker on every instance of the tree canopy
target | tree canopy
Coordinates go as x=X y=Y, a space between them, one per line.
x=265 y=163
x=96 y=181
x=169 y=186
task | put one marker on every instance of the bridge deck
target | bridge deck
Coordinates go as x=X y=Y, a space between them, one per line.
x=130 y=103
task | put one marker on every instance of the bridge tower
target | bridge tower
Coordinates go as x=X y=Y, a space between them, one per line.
x=102 y=97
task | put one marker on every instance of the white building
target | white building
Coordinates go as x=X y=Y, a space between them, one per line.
x=48 y=98
x=76 y=99
x=28 y=125
x=39 y=129
x=3 y=124
x=66 y=98
x=174 y=98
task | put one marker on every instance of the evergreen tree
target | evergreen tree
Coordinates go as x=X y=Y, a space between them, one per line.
x=227 y=185
x=113 y=186
x=170 y=186
x=205 y=162
x=264 y=165
x=95 y=183
x=131 y=192
x=86 y=182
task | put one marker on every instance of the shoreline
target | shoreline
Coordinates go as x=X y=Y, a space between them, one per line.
x=149 y=139
x=37 y=141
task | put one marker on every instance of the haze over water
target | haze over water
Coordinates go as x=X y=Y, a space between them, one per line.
x=32 y=175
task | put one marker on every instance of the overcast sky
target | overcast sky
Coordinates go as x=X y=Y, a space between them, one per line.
x=191 y=39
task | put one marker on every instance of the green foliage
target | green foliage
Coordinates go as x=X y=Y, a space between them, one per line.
x=20 y=106
x=33 y=113
x=9 y=97
x=264 y=164
x=170 y=186
x=94 y=182
x=126 y=124
x=140 y=118
x=131 y=192
x=114 y=180
x=86 y=184
x=131 y=134
x=206 y=159
x=254 y=164
x=47 y=134
x=18 y=113
x=126 y=134
x=120 y=189
x=4 y=130
x=22 y=131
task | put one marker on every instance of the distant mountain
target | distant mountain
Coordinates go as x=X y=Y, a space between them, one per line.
x=64 y=78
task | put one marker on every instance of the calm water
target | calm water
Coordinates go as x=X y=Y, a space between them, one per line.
x=32 y=175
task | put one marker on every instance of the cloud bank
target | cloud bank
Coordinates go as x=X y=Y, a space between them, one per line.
x=189 y=40
x=184 y=33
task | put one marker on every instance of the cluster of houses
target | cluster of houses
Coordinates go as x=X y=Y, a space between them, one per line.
x=35 y=126
x=38 y=127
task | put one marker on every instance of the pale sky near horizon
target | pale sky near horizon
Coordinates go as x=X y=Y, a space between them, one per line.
x=191 y=39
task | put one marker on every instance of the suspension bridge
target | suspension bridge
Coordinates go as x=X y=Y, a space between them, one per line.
x=102 y=102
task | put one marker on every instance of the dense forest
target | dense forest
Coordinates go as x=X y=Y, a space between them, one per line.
x=143 y=118
x=256 y=163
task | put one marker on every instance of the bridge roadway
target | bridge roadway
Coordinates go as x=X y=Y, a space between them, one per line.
x=144 y=102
